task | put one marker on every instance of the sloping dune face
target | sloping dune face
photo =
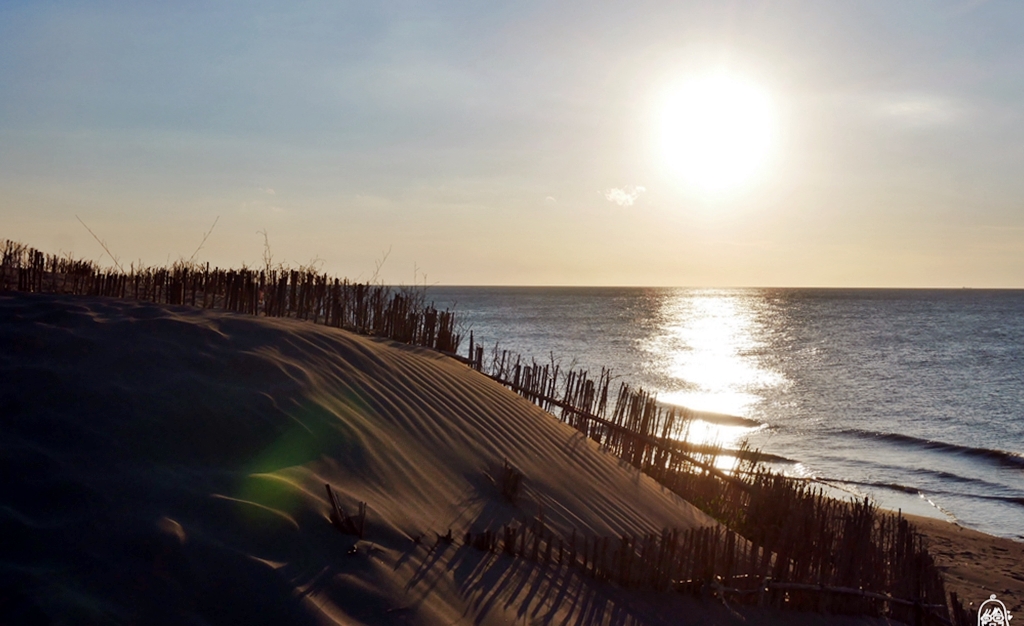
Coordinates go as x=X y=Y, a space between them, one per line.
x=167 y=466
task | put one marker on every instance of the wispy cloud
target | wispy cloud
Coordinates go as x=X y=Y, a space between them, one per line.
x=625 y=196
x=268 y=191
x=920 y=110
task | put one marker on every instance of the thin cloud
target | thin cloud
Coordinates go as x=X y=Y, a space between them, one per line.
x=625 y=196
x=921 y=111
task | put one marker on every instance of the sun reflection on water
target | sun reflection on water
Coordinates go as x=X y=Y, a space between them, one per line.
x=707 y=433
x=708 y=349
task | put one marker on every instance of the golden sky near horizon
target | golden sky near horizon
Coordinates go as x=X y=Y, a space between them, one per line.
x=661 y=143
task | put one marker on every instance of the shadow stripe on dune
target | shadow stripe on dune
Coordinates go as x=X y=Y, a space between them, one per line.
x=288 y=518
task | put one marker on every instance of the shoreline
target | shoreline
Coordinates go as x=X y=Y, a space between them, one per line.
x=305 y=406
x=975 y=564
x=969 y=467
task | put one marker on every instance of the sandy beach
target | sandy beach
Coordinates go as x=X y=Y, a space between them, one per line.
x=976 y=565
x=166 y=465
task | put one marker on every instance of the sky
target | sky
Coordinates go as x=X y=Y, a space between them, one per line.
x=522 y=143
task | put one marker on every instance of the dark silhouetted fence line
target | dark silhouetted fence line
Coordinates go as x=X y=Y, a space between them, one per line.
x=810 y=545
x=367 y=309
x=791 y=532
x=716 y=562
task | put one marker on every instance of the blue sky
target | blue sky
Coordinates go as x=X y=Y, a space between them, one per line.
x=503 y=143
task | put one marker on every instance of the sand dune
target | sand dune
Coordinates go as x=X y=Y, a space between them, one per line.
x=166 y=465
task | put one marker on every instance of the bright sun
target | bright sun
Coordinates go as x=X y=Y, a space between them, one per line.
x=717 y=132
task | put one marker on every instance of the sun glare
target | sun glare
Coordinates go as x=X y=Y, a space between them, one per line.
x=717 y=132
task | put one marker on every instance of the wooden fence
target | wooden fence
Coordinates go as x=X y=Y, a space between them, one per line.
x=712 y=562
x=376 y=310
x=788 y=544
x=814 y=550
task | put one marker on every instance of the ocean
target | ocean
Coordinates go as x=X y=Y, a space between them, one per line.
x=914 y=398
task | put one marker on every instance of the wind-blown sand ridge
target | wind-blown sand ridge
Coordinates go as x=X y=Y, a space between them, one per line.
x=166 y=465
